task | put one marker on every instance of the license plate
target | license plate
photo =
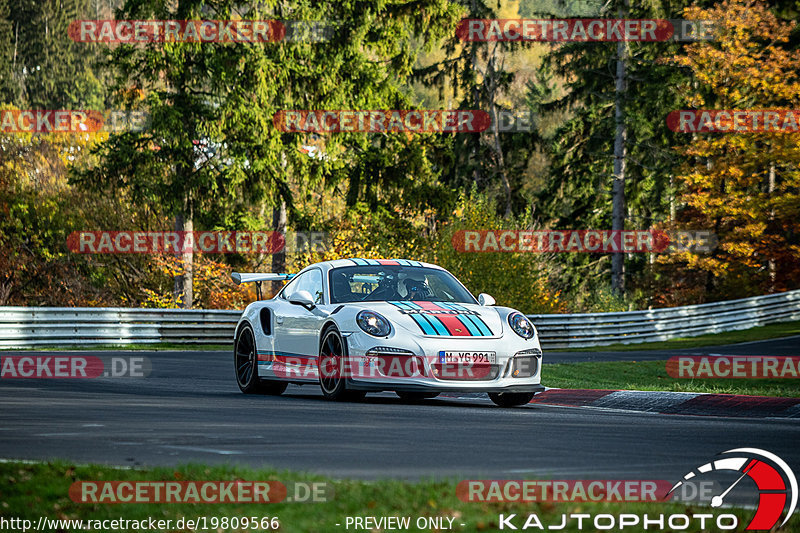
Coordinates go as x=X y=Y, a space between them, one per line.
x=485 y=358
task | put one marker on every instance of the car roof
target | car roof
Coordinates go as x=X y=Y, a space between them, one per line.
x=327 y=266
x=338 y=263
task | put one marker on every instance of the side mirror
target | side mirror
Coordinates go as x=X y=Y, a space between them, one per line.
x=485 y=299
x=303 y=298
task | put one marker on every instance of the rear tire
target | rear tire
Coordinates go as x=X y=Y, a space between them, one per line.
x=511 y=399
x=245 y=364
x=333 y=368
x=416 y=396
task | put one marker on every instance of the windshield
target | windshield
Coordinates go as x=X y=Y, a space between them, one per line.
x=381 y=283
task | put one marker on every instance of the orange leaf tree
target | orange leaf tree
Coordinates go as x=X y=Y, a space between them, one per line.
x=744 y=186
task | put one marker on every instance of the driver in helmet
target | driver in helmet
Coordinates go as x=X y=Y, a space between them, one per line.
x=417 y=289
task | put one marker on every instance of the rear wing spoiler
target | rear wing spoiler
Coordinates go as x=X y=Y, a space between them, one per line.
x=257 y=278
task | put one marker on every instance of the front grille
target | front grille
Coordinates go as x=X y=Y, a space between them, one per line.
x=459 y=372
x=524 y=367
x=399 y=365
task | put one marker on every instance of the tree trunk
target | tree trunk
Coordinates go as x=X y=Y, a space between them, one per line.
x=182 y=287
x=771 y=262
x=476 y=102
x=618 y=187
x=501 y=165
x=279 y=257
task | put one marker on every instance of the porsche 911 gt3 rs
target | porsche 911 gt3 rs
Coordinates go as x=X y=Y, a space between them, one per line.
x=354 y=326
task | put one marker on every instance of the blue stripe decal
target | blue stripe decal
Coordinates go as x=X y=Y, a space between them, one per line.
x=424 y=325
x=406 y=305
x=437 y=324
x=465 y=319
x=474 y=331
x=478 y=321
x=430 y=324
x=427 y=326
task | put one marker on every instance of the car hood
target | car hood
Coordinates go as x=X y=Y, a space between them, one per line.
x=440 y=319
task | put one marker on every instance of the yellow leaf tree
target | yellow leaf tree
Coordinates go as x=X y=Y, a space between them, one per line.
x=743 y=185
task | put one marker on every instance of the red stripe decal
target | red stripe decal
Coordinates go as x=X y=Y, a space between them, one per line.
x=431 y=306
x=454 y=326
x=449 y=320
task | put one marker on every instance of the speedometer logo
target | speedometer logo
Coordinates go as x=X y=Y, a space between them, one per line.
x=773 y=478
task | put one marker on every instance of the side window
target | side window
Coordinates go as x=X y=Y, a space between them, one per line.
x=290 y=287
x=310 y=281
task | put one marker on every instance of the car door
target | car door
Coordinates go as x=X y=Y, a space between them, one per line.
x=297 y=328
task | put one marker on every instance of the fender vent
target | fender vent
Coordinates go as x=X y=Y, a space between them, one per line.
x=266 y=321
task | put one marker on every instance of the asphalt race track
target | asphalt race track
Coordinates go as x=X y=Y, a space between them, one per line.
x=189 y=409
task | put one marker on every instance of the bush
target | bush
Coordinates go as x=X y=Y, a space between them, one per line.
x=518 y=280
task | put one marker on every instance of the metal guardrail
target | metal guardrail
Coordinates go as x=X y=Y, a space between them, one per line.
x=601 y=329
x=27 y=327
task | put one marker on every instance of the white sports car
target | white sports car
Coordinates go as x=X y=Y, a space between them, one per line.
x=363 y=325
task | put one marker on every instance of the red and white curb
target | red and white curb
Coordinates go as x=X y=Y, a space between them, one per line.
x=674 y=403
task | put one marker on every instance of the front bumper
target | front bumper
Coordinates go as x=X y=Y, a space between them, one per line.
x=419 y=369
x=411 y=387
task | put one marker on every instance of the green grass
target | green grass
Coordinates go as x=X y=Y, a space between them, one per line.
x=771 y=331
x=32 y=490
x=652 y=375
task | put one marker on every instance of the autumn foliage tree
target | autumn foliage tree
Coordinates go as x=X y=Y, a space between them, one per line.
x=743 y=184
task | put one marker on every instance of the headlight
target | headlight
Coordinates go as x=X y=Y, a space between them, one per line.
x=521 y=325
x=373 y=323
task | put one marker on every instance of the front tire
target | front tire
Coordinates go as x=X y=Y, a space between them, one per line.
x=332 y=365
x=245 y=364
x=511 y=399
